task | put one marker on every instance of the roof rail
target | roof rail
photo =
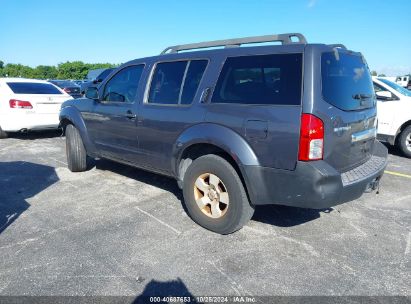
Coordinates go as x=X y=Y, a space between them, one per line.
x=341 y=46
x=283 y=38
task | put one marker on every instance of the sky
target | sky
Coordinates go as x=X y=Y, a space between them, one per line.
x=44 y=32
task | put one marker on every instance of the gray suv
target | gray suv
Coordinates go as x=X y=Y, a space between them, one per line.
x=291 y=124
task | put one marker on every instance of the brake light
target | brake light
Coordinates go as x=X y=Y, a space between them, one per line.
x=311 y=138
x=20 y=104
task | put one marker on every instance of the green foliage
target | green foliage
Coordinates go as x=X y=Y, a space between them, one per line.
x=373 y=73
x=66 y=70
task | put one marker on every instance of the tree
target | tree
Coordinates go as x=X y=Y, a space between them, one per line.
x=45 y=72
x=66 y=70
x=382 y=75
x=17 y=70
x=374 y=73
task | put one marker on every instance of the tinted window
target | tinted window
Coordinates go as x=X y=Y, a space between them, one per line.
x=378 y=88
x=104 y=74
x=264 y=79
x=123 y=86
x=192 y=80
x=33 y=88
x=346 y=81
x=64 y=84
x=166 y=83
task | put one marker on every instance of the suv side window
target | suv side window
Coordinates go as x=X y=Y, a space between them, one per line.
x=194 y=74
x=123 y=86
x=262 y=79
x=176 y=82
x=378 y=88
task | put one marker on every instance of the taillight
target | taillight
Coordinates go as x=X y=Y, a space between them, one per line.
x=311 y=138
x=20 y=104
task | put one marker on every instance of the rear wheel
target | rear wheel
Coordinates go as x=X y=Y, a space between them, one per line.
x=75 y=151
x=215 y=196
x=404 y=141
x=2 y=134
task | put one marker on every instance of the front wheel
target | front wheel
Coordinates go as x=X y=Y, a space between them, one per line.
x=75 y=151
x=404 y=141
x=215 y=196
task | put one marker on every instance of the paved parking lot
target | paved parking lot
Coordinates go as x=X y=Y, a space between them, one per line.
x=116 y=230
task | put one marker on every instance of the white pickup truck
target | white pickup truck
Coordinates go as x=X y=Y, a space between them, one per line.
x=404 y=81
x=394 y=114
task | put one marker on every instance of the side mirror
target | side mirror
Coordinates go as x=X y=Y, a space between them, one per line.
x=98 y=80
x=384 y=95
x=92 y=93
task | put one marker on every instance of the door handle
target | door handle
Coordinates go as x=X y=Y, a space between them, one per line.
x=130 y=115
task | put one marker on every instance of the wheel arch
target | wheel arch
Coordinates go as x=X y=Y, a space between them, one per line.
x=71 y=115
x=401 y=128
x=206 y=139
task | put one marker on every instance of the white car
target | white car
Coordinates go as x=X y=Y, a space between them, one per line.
x=28 y=104
x=394 y=114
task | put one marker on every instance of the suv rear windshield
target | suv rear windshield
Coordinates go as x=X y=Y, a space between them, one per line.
x=32 y=88
x=346 y=81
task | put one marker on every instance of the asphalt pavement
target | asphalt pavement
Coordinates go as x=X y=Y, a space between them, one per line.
x=116 y=230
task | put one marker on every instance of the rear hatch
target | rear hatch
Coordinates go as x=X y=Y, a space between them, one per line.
x=44 y=98
x=350 y=121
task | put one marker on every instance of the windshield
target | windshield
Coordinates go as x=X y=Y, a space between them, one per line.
x=346 y=81
x=396 y=87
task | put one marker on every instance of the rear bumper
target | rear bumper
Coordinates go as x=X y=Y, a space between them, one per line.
x=314 y=185
x=14 y=122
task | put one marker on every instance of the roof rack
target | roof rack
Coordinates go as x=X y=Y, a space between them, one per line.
x=283 y=38
x=340 y=46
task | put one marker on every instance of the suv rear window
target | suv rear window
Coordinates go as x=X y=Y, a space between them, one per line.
x=263 y=79
x=346 y=81
x=176 y=82
x=32 y=88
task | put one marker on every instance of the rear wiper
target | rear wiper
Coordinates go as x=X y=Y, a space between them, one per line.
x=361 y=96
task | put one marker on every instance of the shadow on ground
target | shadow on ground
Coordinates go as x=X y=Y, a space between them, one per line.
x=393 y=150
x=158 y=289
x=276 y=215
x=33 y=135
x=284 y=216
x=20 y=181
x=156 y=180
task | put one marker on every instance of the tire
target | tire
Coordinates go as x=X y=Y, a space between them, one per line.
x=75 y=151
x=223 y=190
x=3 y=134
x=404 y=141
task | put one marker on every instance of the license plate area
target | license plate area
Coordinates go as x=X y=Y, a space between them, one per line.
x=48 y=108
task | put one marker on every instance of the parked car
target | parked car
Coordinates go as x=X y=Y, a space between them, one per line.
x=291 y=124
x=69 y=87
x=28 y=104
x=94 y=78
x=404 y=81
x=394 y=114
x=78 y=82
